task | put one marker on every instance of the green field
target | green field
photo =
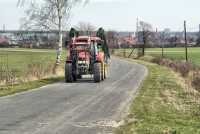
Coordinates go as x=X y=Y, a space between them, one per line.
x=22 y=62
x=19 y=60
x=173 y=53
x=177 y=54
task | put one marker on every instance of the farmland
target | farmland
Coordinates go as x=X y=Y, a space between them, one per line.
x=174 y=53
x=23 y=63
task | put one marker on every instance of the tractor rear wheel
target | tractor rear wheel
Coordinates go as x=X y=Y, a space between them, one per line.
x=97 y=72
x=79 y=76
x=102 y=71
x=74 y=76
x=68 y=72
x=105 y=71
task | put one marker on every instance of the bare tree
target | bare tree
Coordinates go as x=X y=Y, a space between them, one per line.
x=48 y=15
x=85 y=28
x=112 y=38
x=145 y=31
x=198 y=42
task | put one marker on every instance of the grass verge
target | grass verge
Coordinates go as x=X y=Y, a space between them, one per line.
x=162 y=106
x=8 y=90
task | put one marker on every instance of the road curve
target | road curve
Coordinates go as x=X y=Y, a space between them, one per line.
x=77 y=108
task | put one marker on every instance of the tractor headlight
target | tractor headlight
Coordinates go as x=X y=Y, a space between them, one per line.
x=81 y=62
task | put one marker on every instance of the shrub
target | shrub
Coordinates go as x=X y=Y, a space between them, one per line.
x=157 y=60
x=184 y=68
x=179 y=66
x=196 y=81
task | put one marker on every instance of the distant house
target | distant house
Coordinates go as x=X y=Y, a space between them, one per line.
x=128 y=41
x=4 y=42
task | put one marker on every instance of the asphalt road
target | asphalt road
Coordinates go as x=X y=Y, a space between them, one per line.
x=76 y=108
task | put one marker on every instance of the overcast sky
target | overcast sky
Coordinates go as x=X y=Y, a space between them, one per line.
x=120 y=15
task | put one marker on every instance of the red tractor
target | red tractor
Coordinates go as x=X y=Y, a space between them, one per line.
x=86 y=56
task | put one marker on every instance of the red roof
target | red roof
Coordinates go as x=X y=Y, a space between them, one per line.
x=3 y=40
x=128 y=40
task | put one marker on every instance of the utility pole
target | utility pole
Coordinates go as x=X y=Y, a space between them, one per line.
x=161 y=38
x=162 y=42
x=137 y=36
x=199 y=30
x=186 y=47
x=144 y=42
x=4 y=27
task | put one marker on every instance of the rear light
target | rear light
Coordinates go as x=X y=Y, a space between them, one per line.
x=68 y=58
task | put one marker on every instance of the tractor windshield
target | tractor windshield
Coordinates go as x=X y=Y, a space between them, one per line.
x=81 y=47
x=93 y=48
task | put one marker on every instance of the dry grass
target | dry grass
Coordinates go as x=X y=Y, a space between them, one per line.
x=179 y=66
x=196 y=80
x=190 y=72
x=165 y=105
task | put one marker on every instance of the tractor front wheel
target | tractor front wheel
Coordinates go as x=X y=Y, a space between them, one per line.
x=68 y=72
x=97 y=72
